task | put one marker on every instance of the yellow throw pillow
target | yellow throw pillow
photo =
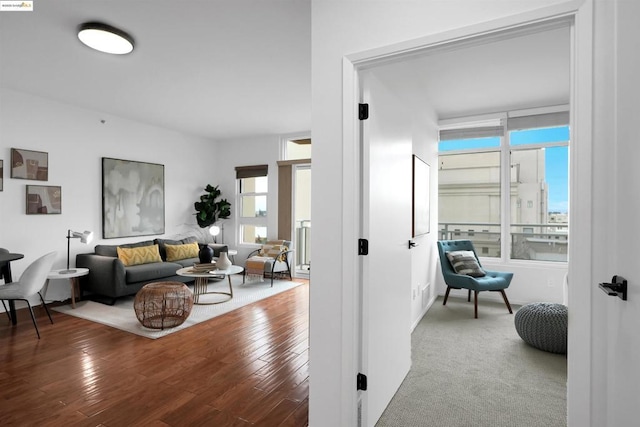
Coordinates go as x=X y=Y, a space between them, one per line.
x=272 y=251
x=139 y=255
x=177 y=252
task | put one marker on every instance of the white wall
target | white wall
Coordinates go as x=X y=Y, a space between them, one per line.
x=424 y=256
x=257 y=150
x=339 y=29
x=532 y=282
x=76 y=140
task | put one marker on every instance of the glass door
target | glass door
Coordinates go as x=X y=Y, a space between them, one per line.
x=302 y=218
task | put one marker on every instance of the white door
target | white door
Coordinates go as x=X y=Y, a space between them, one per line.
x=622 y=330
x=386 y=224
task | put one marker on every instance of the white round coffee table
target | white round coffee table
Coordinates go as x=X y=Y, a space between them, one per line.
x=202 y=280
x=73 y=275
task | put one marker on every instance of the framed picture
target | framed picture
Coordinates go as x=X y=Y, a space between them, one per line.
x=1 y=175
x=132 y=198
x=44 y=199
x=421 y=202
x=28 y=164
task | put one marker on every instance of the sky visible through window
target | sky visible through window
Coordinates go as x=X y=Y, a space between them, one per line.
x=556 y=158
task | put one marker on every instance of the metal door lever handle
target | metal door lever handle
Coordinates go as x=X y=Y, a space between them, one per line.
x=617 y=287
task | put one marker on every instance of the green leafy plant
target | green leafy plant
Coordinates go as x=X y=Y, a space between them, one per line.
x=208 y=209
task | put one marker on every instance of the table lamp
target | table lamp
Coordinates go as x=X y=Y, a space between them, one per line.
x=85 y=237
x=214 y=231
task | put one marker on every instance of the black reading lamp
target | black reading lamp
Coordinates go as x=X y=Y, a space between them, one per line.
x=85 y=237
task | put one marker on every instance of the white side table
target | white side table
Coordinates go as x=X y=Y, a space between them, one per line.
x=73 y=279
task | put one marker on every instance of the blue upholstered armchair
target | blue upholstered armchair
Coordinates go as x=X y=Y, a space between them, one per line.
x=496 y=281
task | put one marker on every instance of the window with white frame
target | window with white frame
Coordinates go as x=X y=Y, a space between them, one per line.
x=252 y=191
x=505 y=186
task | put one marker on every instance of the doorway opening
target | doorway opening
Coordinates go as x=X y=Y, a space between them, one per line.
x=302 y=217
x=294 y=200
x=398 y=74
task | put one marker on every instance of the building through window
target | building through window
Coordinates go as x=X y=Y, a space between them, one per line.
x=505 y=185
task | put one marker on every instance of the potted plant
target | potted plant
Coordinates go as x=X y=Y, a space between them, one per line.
x=208 y=211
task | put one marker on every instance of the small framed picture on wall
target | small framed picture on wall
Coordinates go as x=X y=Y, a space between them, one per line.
x=44 y=199
x=421 y=197
x=29 y=164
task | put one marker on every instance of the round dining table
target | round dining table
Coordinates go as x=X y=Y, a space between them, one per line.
x=5 y=273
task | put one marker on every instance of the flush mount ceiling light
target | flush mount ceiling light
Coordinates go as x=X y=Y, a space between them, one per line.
x=105 y=38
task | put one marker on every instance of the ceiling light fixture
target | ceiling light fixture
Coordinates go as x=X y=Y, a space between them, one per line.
x=105 y=38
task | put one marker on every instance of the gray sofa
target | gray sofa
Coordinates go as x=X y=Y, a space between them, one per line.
x=109 y=279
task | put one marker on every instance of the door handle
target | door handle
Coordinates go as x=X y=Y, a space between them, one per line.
x=412 y=244
x=617 y=287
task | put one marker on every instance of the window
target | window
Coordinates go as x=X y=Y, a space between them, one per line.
x=512 y=182
x=540 y=232
x=252 y=202
x=298 y=149
x=469 y=189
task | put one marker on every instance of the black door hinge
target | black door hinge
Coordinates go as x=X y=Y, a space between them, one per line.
x=363 y=247
x=363 y=111
x=362 y=382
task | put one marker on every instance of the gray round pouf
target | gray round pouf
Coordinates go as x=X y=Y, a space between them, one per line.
x=544 y=326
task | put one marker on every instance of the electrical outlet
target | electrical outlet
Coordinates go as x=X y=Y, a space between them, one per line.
x=550 y=283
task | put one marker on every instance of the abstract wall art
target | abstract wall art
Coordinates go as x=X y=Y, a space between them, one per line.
x=132 y=198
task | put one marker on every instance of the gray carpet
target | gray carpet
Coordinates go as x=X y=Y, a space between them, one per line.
x=477 y=372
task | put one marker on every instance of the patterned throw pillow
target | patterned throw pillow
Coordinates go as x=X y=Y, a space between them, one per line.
x=272 y=249
x=139 y=255
x=177 y=252
x=465 y=262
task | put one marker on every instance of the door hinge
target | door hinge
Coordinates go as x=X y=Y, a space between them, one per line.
x=363 y=111
x=363 y=247
x=362 y=382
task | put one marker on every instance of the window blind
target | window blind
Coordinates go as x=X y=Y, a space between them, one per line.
x=538 y=121
x=513 y=123
x=467 y=133
x=251 y=171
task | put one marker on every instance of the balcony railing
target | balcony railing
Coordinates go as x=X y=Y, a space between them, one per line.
x=540 y=242
x=303 y=252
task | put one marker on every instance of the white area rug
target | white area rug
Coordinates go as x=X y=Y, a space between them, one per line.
x=122 y=316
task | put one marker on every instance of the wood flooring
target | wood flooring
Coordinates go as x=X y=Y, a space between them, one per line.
x=246 y=368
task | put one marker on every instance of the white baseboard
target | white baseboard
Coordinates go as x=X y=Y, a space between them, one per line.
x=424 y=311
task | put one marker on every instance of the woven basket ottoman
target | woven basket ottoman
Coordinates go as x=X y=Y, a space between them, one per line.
x=544 y=326
x=163 y=305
